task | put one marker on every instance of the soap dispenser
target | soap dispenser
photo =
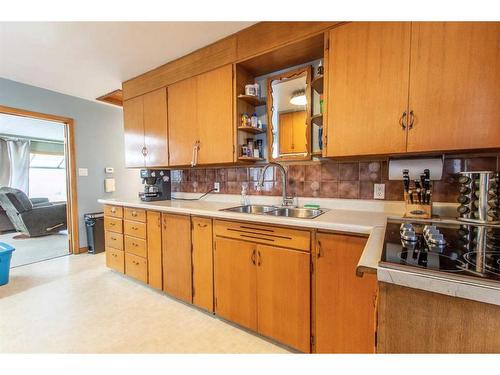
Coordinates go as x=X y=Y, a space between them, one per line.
x=244 y=196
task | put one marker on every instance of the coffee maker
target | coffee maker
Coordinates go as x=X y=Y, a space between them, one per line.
x=156 y=185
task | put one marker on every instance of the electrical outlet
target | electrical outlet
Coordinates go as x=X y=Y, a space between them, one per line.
x=378 y=191
x=217 y=187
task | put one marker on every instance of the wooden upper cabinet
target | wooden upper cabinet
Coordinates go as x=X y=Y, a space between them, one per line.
x=200 y=110
x=155 y=128
x=283 y=296
x=182 y=119
x=455 y=86
x=345 y=303
x=368 y=68
x=215 y=116
x=146 y=133
x=133 y=115
x=176 y=253
x=236 y=281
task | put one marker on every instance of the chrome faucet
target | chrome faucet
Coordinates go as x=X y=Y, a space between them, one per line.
x=287 y=201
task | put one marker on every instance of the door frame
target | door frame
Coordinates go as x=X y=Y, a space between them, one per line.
x=69 y=150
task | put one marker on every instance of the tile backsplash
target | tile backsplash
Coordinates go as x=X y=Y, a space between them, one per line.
x=328 y=178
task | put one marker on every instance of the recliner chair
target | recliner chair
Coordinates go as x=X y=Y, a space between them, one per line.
x=34 y=217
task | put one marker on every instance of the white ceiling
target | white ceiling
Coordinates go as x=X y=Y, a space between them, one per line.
x=31 y=128
x=89 y=59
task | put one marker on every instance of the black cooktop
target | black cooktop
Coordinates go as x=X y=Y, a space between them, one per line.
x=457 y=249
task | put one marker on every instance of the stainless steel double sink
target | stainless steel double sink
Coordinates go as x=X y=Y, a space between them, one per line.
x=299 y=213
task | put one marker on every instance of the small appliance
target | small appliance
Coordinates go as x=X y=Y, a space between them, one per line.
x=156 y=185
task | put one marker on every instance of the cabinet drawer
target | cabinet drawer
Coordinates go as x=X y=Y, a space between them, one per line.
x=136 y=267
x=113 y=224
x=135 y=246
x=265 y=234
x=114 y=240
x=134 y=214
x=115 y=211
x=134 y=228
x=115 y=259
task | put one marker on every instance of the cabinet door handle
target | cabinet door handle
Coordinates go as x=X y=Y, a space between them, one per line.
x=319 y=250
x=134 y=244
x=134 y=228
x=402 y=120
x=113 y=210
x=253 y=257
x=134 y=213
x=259 y=262
x=112 y=224
x=194 y=158
x=144 y=151
x=202 y=225
x=412 y=120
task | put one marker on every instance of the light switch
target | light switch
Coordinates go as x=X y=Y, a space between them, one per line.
x=83 y=172
x=109 y=170
x=109 y=185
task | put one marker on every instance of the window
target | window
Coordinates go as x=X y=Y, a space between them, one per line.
x=47 y=177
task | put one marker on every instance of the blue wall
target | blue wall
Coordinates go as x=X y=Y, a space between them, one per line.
x=98 y=141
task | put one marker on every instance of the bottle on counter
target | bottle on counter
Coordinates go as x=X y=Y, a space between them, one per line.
x=244 y=195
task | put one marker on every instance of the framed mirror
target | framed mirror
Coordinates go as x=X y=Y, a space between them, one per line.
x=289 y=115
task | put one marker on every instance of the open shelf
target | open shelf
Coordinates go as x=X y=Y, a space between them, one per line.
x=317 y=120
x=251 y=129
x=317 y=84
x=249 y=158
x=252 y=100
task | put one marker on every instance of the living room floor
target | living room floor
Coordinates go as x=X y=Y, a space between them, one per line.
x=74 y=304
x=31 y=250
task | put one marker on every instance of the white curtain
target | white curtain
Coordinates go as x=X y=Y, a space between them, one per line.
x=15 y=164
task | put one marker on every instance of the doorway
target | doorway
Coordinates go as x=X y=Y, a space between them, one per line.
x=42 y=181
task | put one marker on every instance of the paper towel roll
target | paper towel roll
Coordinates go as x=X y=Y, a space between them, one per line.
x=416 y=168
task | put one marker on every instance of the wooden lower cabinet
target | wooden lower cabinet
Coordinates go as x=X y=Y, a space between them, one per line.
x=236 y=281
x=155 y=276
x=114 y=240
x=136 y=267
x=203 y=282
x=283 y=296
x=176 y=253
x=345 y=305
x=264 y=288
x=115 y=259
x=417 y=321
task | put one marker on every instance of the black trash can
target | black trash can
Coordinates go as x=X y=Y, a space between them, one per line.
x=94 y=224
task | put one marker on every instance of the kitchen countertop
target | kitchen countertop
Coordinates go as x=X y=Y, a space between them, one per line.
x=351 y=216
x=367 y=223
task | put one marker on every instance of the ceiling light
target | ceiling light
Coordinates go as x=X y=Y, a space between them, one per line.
x=298 y=98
